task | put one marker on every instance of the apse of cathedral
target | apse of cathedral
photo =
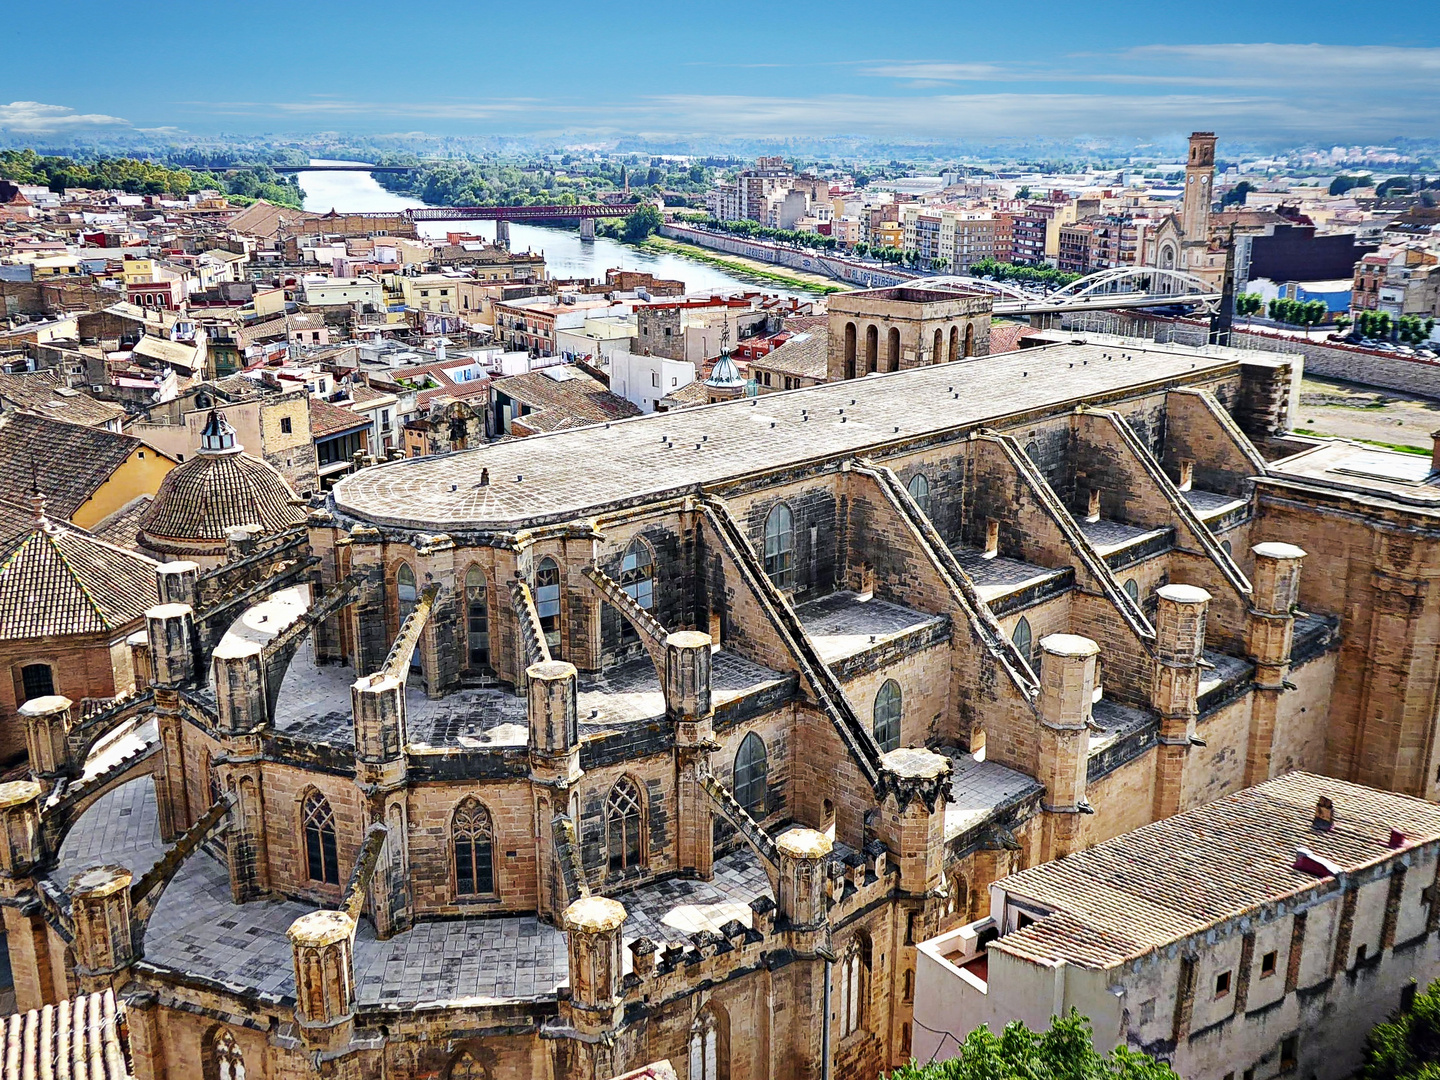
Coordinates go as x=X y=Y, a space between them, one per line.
x=671 y=737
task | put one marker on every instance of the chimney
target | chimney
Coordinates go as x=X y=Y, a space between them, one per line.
x=1324 y=815
x=992 y=538
x=1092 y=511
x=1187 y=475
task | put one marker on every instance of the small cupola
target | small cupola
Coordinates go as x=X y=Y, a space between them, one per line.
x=217 y=437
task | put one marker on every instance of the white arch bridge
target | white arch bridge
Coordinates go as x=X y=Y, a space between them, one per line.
x=1122 y=286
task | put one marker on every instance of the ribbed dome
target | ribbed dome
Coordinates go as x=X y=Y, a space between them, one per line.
x=214 y=491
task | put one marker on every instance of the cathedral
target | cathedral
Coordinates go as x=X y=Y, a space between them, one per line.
x=670 y=738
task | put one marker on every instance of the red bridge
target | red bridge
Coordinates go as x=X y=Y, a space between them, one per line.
x=582 y=212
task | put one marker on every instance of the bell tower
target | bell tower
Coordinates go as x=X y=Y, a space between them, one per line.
x=1199 y=185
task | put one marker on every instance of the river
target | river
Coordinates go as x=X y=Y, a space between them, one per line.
x=566 y=255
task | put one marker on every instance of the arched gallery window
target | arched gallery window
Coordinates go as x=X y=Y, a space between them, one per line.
x=477 y=618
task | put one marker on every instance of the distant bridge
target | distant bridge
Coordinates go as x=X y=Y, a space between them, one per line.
x=305 y=168
x=1122 y=286
x=557 y=212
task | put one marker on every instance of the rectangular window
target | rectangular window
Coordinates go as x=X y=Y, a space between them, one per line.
x=1222 y=984
x=1267 y=965
x=1289 y=1051
x=285 y=425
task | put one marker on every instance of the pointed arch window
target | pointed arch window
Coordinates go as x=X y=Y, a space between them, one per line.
x=477 y=618
x=751 y=765
x=1132 y=589
x=780 y=546
x=406 y=592
x=547 y=602
x=472 y=842
x=852 y=976
x=919 y=488
x=322 y=862
x=637 y=574
x=887 y=716
x=1023 y=637
x=226 y=1061
x=467 y=1068
x=710 y=1046
x=623 y=826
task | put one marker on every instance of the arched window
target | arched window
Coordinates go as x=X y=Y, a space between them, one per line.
x=477 y=618
x=321 y=861
x=547 y=602
x=892 y=349
x=751 y=762
x=872 y=347
x=1023 y=637
x=637 y=574
x=710 y=1046
x=623 y=824
x=887 y=716
x=1226 y=547
x=919 y=489
x=406 y=593
x=937 y=352
x=958 y=902
x=852 y=974
x=849 y=350
x=780 y=546
x=969 y=339
x=954 y=343
x=1132 y=589
x=224 y=1059
x=1032 y=451
x=465 y=1067
x=472 y=841
x=37 y=680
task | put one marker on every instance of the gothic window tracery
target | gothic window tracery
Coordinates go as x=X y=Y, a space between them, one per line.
x=751 y=764
x=477 y=618
x=919 y=488
x=226 y=1061
x=547 y=602
x=852 y=974
x=780 y=546
x=322 y=862
x=473 y=846
x=709 y=1046
x=624 y=820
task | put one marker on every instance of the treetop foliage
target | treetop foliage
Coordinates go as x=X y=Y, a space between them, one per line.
x=1065 y=1052
x=144 y=177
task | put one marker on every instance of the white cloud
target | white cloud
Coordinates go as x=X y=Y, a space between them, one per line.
x=37 y=118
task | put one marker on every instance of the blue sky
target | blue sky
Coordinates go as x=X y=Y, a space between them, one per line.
x=1280 y=71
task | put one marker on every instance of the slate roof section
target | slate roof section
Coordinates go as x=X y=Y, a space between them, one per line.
x=66 y=462
x=46 y=393
x=212 y=492
x=57 y=581
x=575 y=473
x=1163 y=882
x=83 y=1039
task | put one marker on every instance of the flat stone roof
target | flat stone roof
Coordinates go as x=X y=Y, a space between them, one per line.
x=1364 y=470
x=585 y=470
x=843 y=624
x=981 y=790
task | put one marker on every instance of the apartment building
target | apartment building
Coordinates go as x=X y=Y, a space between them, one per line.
x=1259 y=935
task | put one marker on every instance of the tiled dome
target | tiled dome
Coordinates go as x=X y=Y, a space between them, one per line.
x=218 y=489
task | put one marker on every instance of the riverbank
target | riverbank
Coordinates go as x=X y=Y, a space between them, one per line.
x=738 y=264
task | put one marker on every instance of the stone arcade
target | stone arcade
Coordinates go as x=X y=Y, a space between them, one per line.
x=654 y=739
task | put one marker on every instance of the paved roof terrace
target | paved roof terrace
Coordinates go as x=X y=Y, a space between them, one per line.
x=314 y=703
x=845 y=624
x=572 y=473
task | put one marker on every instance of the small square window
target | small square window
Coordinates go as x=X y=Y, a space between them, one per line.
x=1222 y=984
x=285 y=425
x=1267 y=965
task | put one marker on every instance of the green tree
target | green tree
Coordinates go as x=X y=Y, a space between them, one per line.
x=1236 y=195
x=1065 y=1052
x=1407 y=1047
x=1342 y=183
x=1248 y=304
x=643 y=221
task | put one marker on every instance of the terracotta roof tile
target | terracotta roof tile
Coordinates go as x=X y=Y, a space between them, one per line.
x=46 y=393
x=213 y=492
x=1177 y=877
x=57 y=580
x=83 y=1039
